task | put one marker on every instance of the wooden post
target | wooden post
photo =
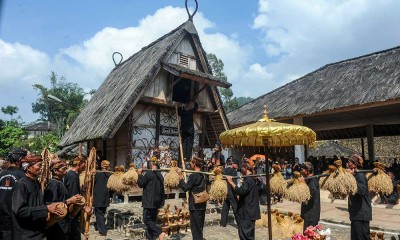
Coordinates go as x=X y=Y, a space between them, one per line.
x=370 y=141
x=267 y=177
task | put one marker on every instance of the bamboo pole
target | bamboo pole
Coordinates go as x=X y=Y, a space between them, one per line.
x=180 y=147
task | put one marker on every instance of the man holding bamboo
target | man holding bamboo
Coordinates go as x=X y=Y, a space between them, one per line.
x=71 y=182
x=310 y=210
x=249 y=204
x=29 y=210
x=153 y=198
x=231 y=199
x=360 y=203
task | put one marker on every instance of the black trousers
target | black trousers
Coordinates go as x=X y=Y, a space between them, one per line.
x=225 y=211
x=56 y=233
x=360 y=230
x=309 y=222
x=187 y=142
x=100 y=220
x=197 y=223
x=149 y=219
x=5 y=235
x=75 y=229
x=246 y=229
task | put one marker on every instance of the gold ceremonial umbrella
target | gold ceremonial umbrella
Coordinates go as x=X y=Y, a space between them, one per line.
x=268 y=133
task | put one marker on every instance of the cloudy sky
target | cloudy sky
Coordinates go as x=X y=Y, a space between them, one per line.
x=263 y=44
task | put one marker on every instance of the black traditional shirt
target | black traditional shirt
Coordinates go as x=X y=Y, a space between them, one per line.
x=56 y=192
x=8 y=179
x=249 y=203
x=29 y=211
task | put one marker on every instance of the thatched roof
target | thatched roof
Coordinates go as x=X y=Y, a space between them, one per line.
x=358 y=81
x=329 y=149
x=41 y=126
x=123 y=87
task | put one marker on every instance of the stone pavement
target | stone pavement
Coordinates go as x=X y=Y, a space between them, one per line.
x=333 y=215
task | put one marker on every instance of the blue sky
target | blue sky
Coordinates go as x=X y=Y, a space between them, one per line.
x=264 y=44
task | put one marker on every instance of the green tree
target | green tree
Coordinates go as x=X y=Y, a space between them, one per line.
x=243 y=100
x=11 y=135
x=39 y=142
x=60 y=103
x=10 y=110
x=229 y=102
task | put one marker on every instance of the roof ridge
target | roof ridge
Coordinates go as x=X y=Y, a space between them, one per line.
x=318 y=69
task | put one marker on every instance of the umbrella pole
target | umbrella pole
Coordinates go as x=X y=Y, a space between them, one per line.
x=268 y=192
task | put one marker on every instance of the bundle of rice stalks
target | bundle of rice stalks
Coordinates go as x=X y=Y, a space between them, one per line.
x=325 y=182
x=263 y=221
x=379 y=182
x=280 y=228
x=130 y=177
x=297 y=226
x=171 y=179
x=298 y=191
x=115 y=180
x=343 y=183
x=277 y=182
x=219 y=188
x=82 y=180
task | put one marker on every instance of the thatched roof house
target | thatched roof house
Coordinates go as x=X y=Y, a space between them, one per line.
x=349 y=94
x=153 y=77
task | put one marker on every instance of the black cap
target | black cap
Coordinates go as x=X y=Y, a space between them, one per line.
x=307 y=166
x=16 y=154
x=235 y=161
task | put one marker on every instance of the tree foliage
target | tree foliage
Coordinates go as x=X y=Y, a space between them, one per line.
x=11 y=134
x=61 y=113
x=229 y=102
x=10 y=110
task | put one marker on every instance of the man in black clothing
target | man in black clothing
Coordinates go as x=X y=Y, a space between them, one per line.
x=101 y=196
x=231 y=199
x=187 y=128
x=360 y=203
x=29 y=212
x=249 y=204
x=195 y=184
x=8 y=178
x=71 y=183
x=217 y=158
x=153 y=198
x=56 y=192
x=311 y=210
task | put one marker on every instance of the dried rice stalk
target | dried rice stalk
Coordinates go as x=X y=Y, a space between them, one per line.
x=219 y=188
x=297 y=226
x=130 y=177
x=115 y=180
x=82 y=179
x=280 y=228
x=171 y=179
x=263 y=221
x=277 y=182
x=298 y=191
x=379 y=183
x=325 y=182
x=343 y=183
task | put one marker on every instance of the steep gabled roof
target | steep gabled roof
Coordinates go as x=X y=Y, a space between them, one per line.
x=123 y=87
x=363 y=80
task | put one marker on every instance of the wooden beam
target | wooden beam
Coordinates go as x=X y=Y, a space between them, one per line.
x=205 y=80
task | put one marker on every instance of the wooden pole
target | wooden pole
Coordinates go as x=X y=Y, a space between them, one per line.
x=267 y=177
x=181 y=148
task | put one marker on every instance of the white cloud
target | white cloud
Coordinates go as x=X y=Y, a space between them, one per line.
x=88 y=63
x=301 y=36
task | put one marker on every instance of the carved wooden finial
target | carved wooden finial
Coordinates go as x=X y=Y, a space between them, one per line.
x=265 y=111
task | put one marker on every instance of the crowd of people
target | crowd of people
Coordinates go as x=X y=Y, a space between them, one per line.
x=27 y=210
